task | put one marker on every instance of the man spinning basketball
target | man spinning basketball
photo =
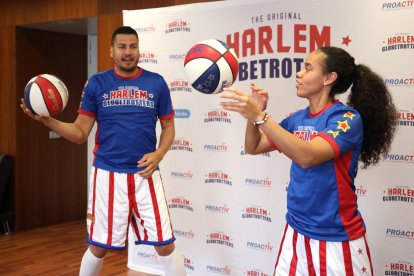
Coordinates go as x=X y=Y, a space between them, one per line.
x=125 y=184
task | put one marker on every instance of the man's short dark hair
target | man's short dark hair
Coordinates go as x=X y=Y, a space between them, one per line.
x=123 y=30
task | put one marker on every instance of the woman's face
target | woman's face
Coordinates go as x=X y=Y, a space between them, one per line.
x=310 y=80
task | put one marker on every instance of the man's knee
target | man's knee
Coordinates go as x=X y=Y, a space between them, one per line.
x=165 y=250
x=97 y=251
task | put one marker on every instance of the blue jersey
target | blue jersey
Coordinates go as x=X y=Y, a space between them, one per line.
x=126 y=111
x=321 y=200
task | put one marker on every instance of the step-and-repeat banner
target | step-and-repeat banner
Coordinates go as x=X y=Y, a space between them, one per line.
x=228 y=207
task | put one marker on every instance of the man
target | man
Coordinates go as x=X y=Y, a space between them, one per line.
x=125 y=184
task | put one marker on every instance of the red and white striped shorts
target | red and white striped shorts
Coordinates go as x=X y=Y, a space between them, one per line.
x=300 y=255
x=117 y=199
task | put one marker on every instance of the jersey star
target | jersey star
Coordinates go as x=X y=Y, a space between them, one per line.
x=343 y=125
x=349 y=115
x=334 y=133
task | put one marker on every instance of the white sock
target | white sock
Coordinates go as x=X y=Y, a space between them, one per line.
x=91 y=265
x=173 y=264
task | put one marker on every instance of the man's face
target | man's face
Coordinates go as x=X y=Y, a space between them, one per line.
x=125 y=53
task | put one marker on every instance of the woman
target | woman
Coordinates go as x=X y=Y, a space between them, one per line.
x=325 y=233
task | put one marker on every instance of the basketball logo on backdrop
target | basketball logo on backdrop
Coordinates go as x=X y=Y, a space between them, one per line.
x=217 y=116
x=399 y=193
x=147 y=57
x=399 y=268
x=218 y=177
x=177 y=26
x=188 y=263
x=180 y=85
x=360 y=190
x=255 y=272
x=405 y=118
x=180 y=203
x=256 y=212
x=398 y=42
x=181 y=144
x=220 y=238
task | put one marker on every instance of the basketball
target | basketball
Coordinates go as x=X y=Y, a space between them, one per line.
x=211 y=65
x=46 y=95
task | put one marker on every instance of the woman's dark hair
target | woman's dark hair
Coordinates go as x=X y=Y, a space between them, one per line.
x=369 y=96
x=123 y=30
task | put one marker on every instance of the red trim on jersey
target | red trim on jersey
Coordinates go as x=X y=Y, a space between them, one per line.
x=110 y=207
x=369 y=255
x=96 y=147
x=347 y=199
x=323 y=109
x=168 y=116
x=87 y=113
x=93 y=204
x=156 y=208
x=322 y=258
x=311 y=268
x=281 y=245
x=332 y=142
x=347 y=258
x=294 y=262
x=139 y=72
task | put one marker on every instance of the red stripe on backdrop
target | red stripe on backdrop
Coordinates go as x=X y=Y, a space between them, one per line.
x=294 y=262
x=233 y=63
x=322 y=258
x=110 y=207
x=202 y=51
x=347 y=258
x=93 y=204
x=311 y=269
x=156 y=208
x=50 y=95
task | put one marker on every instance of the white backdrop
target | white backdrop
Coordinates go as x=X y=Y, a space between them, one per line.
x=228 y=207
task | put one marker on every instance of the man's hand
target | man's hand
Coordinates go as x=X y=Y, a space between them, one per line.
x=150 y=162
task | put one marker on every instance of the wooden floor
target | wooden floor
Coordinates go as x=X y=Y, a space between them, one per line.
x=53 y=250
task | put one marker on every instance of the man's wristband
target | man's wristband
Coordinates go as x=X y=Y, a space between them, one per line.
x=262 y=121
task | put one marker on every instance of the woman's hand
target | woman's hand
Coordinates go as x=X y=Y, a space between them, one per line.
x=243 y=103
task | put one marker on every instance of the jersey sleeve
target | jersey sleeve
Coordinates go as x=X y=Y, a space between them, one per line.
x=344 y=131
x=165 y=110
x=88 y=105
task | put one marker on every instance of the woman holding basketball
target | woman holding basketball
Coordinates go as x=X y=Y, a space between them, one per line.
x=325 y=233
